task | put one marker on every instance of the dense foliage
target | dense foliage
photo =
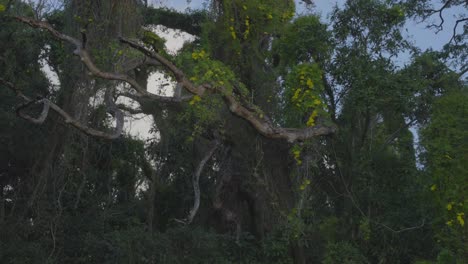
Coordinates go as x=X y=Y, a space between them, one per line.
x=389 y=186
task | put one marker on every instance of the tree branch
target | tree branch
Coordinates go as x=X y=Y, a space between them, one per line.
x=88 y=62
x=196 y=180
x=261 y=123
x=447 y=4
x=67 y=118
x=431 y=12
x=42 y=116
x=455 y=28
x=130 y=109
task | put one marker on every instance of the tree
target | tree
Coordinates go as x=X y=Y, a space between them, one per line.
x=444 y=141
x=284 y=141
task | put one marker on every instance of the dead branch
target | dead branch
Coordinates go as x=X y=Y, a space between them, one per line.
x=67 y=118
x=42 y=116
x=196 y=180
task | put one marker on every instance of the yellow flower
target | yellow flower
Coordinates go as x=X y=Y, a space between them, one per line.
x=449 y=206
x=270 y=16
x=296 y=95
x=233 y=34
x=310 y=84
x=433 y=187
x=449 y=223
x=460 y=218
x=317 y=102
x=315 y=113
x=304 y=185
x=297 y=156
x=311 y=120
x=296 y=153
x=194 y=100
x=201 y=54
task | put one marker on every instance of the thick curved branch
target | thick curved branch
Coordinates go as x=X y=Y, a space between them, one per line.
x=262 y=124
x=85 y=57
x=67 y=118
x=39 y=120
x=196 y=180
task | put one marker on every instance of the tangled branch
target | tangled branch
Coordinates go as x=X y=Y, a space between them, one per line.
x=47 y=104
x=260 y=122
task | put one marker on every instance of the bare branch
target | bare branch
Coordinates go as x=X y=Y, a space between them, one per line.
x=67 y=118
x=447 y=4
x=130 y=110
x=439 y=11
x=403 y=229
x=196 y=180
x=42 y=116
x=455 y=28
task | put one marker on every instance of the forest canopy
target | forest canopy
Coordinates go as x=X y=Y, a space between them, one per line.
x=277 y=136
